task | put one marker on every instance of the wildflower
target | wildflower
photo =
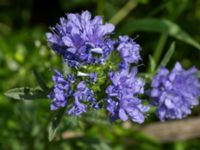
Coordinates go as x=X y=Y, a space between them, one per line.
x=122 y=101
x=129 y=51
x=176 y=92
x=61 y=91
x=81 y=40
x=82 y=95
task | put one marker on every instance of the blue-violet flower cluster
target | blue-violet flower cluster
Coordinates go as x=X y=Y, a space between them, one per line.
x=176 y=92
x=63 y=91
x=81 y=40
x=129 y=51
x=82 y=94
x=85 y=44
x=122 y=101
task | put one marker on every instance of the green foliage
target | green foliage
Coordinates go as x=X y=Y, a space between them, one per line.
x=158 y=25
x=30 y=124
x=152 y=66
x=26 y=93
x=40 y=80
x=168 y=55
x=54 y=123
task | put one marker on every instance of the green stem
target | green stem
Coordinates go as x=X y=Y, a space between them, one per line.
x=130 y=5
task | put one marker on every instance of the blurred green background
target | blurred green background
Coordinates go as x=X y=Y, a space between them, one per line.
x=154 y=23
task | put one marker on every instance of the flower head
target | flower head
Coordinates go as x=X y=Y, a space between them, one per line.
x=61 y=91
x=82 y=95
x=122 y=101
x=129 y=51
x=82 y=40
x=176 y=92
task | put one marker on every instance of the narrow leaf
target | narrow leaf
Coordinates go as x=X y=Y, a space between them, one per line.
x=54 y=123
x=26 y=93
x=168 y=55
x=40 y=80
x=152 y=66
x=158 y=25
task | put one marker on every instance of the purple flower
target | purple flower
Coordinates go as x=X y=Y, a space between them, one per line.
x=122 y=101
x=176 y=92
x=129 y=51
x=71 y=78
x=93 y=77
x=82 y=40
x=82 y=95
x=112 y=108
x=77 y=109
x=61 y=91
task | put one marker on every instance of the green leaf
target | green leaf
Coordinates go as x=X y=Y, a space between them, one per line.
x=158 y=25
x=123 y=12
x=168 y=55
x=160 y=47
x=40 y=80
x=26 y=93
x=54 y=123
x=152 y=66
